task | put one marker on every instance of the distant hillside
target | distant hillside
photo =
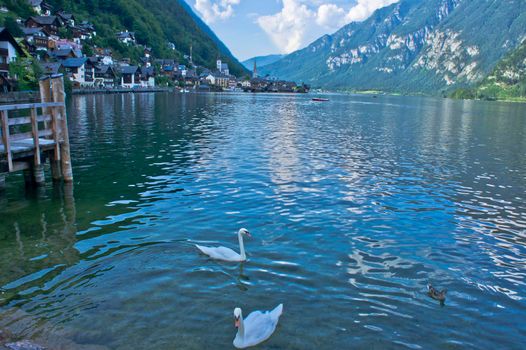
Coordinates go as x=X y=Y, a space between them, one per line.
x=155 y=22
x=506 y=82
x=261 y=61
x=412 y=46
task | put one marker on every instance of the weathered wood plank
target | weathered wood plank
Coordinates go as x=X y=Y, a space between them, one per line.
x=29 y=135
x=6 y=141
x=31 y=105
x=27 y=120
x=36 y=135
x=24 y=148
x=55 y=128
x=45 y=133
x=20 y=136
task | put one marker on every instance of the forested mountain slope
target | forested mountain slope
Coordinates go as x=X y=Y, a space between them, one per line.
x=155 y=23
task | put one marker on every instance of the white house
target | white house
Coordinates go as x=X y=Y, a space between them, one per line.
x=211 y=79
x=130 y=76
x=80 y=70
x=147 y=77
x=217 y=80
x=126 y=37
x=9 y=51
x=104 y=76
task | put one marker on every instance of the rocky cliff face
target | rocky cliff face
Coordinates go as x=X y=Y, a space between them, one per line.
x=507 y=81
x=412 y=46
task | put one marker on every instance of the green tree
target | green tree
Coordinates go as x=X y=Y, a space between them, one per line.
x=26 y=71
x=65 y=33
x=88 y=50
x=13 y=27
x=163 y=81
x=155 y=23
x=20 y=7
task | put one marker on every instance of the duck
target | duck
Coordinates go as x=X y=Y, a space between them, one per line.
x=256 y=328
x=437 y=295
x=227 y=254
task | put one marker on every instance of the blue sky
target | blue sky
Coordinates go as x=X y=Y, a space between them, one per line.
x=260 y=27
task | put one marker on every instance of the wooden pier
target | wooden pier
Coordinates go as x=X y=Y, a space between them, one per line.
x=35 y=132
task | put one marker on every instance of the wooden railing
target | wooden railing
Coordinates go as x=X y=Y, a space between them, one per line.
x=44 y=124
x=31 y=130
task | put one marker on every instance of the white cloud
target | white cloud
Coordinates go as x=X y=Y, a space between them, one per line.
x=364 y=8
x=302 y=21
x=212 y=10
x=288 y=28
x=329 y=15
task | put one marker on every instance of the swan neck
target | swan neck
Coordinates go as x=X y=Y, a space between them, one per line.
x=241 y=329
x=241 y=246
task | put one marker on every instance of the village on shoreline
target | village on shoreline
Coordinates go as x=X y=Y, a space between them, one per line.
x=54 y=42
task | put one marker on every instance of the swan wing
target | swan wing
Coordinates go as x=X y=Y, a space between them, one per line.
x=220 y=253
x=259 y=326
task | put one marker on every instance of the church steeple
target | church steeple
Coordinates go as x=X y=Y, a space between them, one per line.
x=255 y=70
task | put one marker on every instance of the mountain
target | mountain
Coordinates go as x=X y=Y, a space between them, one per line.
x=261 y=61
x=412 y=46
x=507 y=81
x=155 y=23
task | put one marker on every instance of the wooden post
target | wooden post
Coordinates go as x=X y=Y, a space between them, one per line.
x=38 y=169
x=5 y=139
x=38 y=175
x=54 y=160
x=45 y=95
x=36 y=140
x=65 y=157
x=56 y=174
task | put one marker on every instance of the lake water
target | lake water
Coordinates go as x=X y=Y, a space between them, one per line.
x=354 y=205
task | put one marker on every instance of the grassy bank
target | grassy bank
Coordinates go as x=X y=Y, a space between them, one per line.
x=492 y=92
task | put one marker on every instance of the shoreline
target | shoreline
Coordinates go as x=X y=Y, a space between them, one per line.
x=80 y=92
x=120 y=91
x=34 y=96
x=386 y=93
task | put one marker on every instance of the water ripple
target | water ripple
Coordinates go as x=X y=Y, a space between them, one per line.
x=355 y=206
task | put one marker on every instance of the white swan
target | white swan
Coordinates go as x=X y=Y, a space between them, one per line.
x=227 y=254
x=257 y=328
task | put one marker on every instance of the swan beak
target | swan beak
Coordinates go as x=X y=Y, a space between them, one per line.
x=248 y=234
x=236 y=323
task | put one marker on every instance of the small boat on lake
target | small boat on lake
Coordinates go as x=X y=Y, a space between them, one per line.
x=319 y=99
